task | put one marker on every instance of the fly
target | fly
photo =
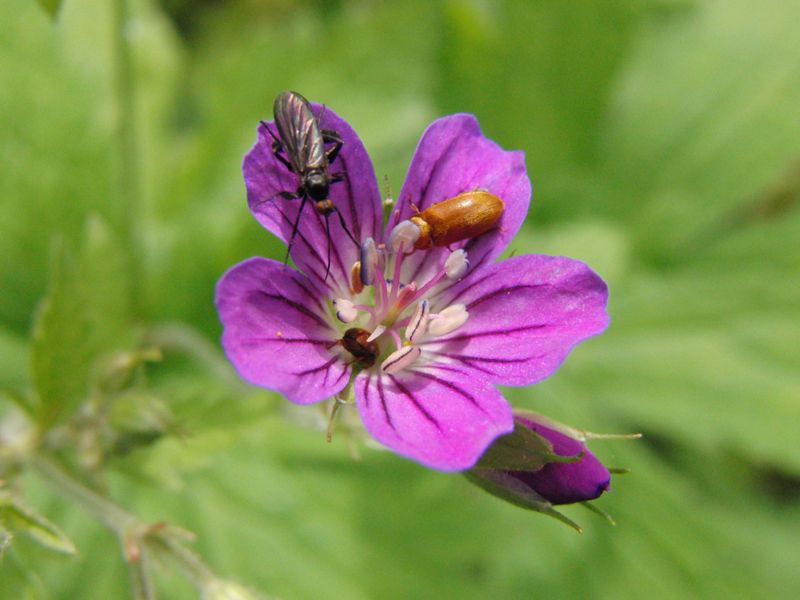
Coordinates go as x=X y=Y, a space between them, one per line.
x=300 y=146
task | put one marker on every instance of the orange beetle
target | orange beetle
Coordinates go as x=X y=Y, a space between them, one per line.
x=459 y=218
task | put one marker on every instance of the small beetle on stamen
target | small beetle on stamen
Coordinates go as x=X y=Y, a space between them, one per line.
x=465 y=216
x=355 y=341
x=302 y=140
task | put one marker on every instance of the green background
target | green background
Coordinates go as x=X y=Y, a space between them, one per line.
x=663 y=141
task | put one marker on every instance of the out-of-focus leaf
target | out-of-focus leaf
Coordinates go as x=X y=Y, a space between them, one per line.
x=54 y=159
x=539 y=75
x=703 y=119
x=50 y=6
x=13 y=360
x=24 y=519
x=84 y=315
x=60 y=355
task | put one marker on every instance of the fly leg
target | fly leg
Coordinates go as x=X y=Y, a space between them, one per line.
x=294 y=228
x=331 y=136
x=277 y=148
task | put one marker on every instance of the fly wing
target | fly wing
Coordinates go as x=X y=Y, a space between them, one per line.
x=299 y=131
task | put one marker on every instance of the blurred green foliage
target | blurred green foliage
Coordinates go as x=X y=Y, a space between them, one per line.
x=663 y=140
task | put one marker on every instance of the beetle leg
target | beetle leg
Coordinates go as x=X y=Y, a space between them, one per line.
x=336 y=177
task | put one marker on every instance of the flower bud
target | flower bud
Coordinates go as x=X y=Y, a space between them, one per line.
x=564 y=482
x=541 y=464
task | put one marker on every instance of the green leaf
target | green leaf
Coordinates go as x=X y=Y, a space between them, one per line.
x=84 y=316
x=60 y=357
x=703 y=119
x=24 y=519
x=50 y=6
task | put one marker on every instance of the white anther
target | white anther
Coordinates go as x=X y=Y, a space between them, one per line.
x=456 y=265
x=400 y=359
x=346 y=311
x=405 y=234
x=419 y=322
x=377 y=333
x=369 y=261
x=450 y=319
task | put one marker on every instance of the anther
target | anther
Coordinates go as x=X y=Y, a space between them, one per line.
x=418 y=325
x=356 y=285
x=369 y=261
x=447 y=321
x=400 y=359
x=345 y=310
x=456 y=265
x=404 y=234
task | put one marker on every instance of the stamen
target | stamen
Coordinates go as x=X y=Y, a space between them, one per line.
x=457 y=264
x=376 y=333
x=447 y=321
x=400 y=359
x=404 y=234
x=369 y=261
x=419 y=322
x=346 y=311
x=356 y=285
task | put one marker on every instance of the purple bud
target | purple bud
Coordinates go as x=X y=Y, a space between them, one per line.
x=564 y=482
x=539 y=464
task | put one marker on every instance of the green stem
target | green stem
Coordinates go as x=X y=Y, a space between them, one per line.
x=115 y=518
x=128 y=213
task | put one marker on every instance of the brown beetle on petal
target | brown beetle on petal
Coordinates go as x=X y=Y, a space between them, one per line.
x=459 y=218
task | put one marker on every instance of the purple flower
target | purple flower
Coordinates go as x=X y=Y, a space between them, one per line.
x=424 y=343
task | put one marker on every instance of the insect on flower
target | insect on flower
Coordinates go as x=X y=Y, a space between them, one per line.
x=462 y=217
x=302 y=140
x=419 y=339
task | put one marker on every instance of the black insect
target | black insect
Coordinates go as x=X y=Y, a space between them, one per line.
x=300 y=146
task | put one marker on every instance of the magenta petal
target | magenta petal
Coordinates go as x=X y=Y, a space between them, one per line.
x=525 y=315
x=439 y=416
x=277 y=331
x=356 y=197
x=453 y=157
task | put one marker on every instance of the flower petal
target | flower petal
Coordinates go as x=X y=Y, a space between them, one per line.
x=357 y=199
x=277 y=331
x=453 y=157
x=525 y=315
x=439 y=416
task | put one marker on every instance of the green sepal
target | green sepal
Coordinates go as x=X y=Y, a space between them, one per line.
x=514 y=492
x=600 y=512
x=18 y=517
x=521 y=450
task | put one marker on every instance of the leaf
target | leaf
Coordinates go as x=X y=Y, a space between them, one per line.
x=703 y=119
x=60 y=354
x=50 y=6
x=22 y=518
x=84 y=316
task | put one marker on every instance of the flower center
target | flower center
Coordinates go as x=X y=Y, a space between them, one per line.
x=394 y=316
